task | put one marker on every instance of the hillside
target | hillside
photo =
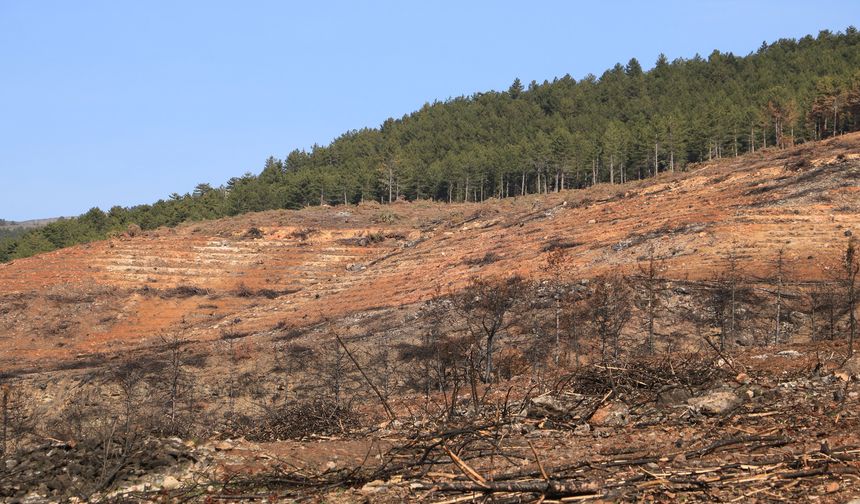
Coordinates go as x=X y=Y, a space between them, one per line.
x=112 y=295
x=247 y=309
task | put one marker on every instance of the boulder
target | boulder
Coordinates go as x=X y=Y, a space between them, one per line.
x=715 y=403
x=170 y=483
x=546 y=405
x=611 y=415
x=789 y=353
x=673 y=396
x=553 y=406
x=852 y=367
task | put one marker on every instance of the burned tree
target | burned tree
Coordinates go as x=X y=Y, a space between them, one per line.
x=176 y=385
x=850 y=269
x=609 y=311
x=823 y=311
x=16 y=417
x=4 y=434
x=437 y=360
x=485 y=305
x=725 y=293
x=785 y=300
x=290 y=359
x=650 y=290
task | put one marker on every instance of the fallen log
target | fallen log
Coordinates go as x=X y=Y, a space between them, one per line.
x=550 y=489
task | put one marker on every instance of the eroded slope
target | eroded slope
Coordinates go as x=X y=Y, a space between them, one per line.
x=260 y=272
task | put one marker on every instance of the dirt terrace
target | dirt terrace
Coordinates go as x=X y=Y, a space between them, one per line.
x=205 y=279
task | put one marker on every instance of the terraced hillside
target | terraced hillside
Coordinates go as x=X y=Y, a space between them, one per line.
x=253 y=274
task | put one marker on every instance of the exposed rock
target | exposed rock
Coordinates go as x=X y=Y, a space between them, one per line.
x=170 y=483
x=743 y=379
x=373 y=487
x=852 y=367
x=789 y=353
x=548 y=405
x=673 y=396
x=611 y=415
x=715 y=403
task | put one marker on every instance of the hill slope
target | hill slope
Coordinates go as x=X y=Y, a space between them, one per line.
x=256 y=274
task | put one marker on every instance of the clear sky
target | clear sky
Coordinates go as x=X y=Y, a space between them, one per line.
x=121 y=102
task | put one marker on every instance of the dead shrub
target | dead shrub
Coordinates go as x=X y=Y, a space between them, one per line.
x=303 y=234
x=179 y=292
x=488 y=258
x=301 y=420
x=253 y=233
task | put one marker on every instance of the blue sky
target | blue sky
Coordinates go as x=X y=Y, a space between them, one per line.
x=105 y=103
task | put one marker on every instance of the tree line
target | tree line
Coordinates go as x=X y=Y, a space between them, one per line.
x=626 y=124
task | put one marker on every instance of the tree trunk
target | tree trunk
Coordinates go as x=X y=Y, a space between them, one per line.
x=611 y=169
x=390 y=182
x=656 y=167
x=489 y=372
x=557 y=327
x=779 y=267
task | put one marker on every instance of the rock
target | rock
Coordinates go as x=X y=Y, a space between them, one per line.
x=331 y=465
x=743 y=379
x=611 y=415
x=676 y=395
x=224 y=446
x=592 y=221
x=789 y=353
x=373 y=487
x=170 y=483
x=10 y=464
x=547 y=405
x=522 y=428
x=715 y=403
x=852 y=367
x=582 y=429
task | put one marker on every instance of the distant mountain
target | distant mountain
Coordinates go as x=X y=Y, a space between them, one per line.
x=28 y=224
